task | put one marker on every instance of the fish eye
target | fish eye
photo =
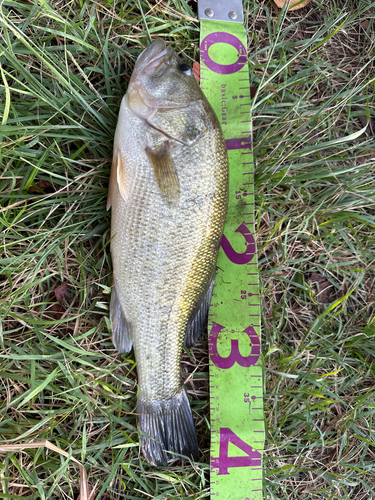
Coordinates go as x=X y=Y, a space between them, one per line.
x=185 y=68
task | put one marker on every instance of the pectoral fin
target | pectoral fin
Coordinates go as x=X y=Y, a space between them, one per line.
x=121 y=179
x=165 y=171
x=117 y=176
x=112 y=183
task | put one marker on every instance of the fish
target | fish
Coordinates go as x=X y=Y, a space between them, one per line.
x=168 y=191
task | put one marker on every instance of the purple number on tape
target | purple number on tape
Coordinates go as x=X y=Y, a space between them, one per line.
x=235 y=356
x=253 y=458
x=221 y=37
x=247 y=255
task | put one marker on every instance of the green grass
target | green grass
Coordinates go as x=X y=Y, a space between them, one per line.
x=64 y=70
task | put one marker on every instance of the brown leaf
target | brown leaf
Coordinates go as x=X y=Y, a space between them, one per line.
x=370 y=130
x=365 y=24
x=43 y=186
x=91 y=493
x=253 y=91
x=34 y=189
x=55 y=310
x=325 y=290
x=62 y=293
x=47 y=186
x=365 y=158
x=197 y=71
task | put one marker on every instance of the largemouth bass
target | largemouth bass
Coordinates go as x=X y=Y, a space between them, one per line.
x=168 y=191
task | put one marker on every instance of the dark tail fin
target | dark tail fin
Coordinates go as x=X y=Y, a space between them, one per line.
x=170 y=425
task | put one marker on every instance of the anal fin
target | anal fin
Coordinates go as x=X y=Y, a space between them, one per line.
x=121 y=330
x=198 y=320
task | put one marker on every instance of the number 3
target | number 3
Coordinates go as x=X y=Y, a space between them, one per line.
x=235 y=356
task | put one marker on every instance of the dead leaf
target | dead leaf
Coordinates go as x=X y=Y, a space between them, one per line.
x=91 y=493
x=365 y=24
x=281 y=3
x=253 y=91
x=326 y=292
x=43 y=187
x=47 y=186
x=34 y=189
x=55 y=310
x=197 y=71
x=62 y=293
x=370 y=130
x=365 y=158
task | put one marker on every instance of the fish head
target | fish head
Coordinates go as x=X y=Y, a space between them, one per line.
x=161 y=80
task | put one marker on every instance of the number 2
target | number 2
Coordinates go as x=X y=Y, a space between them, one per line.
x=247 y=255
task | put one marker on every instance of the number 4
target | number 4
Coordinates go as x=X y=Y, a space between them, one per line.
x=223 y=463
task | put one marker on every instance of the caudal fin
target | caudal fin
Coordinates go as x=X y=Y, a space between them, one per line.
x=170 y=425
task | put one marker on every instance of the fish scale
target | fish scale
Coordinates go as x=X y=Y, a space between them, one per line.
x=235 y=370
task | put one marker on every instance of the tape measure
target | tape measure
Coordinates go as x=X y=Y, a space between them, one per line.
x=235 y=371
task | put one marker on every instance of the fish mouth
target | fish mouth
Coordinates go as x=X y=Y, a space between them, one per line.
x=142 y=96
x=154 y=60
